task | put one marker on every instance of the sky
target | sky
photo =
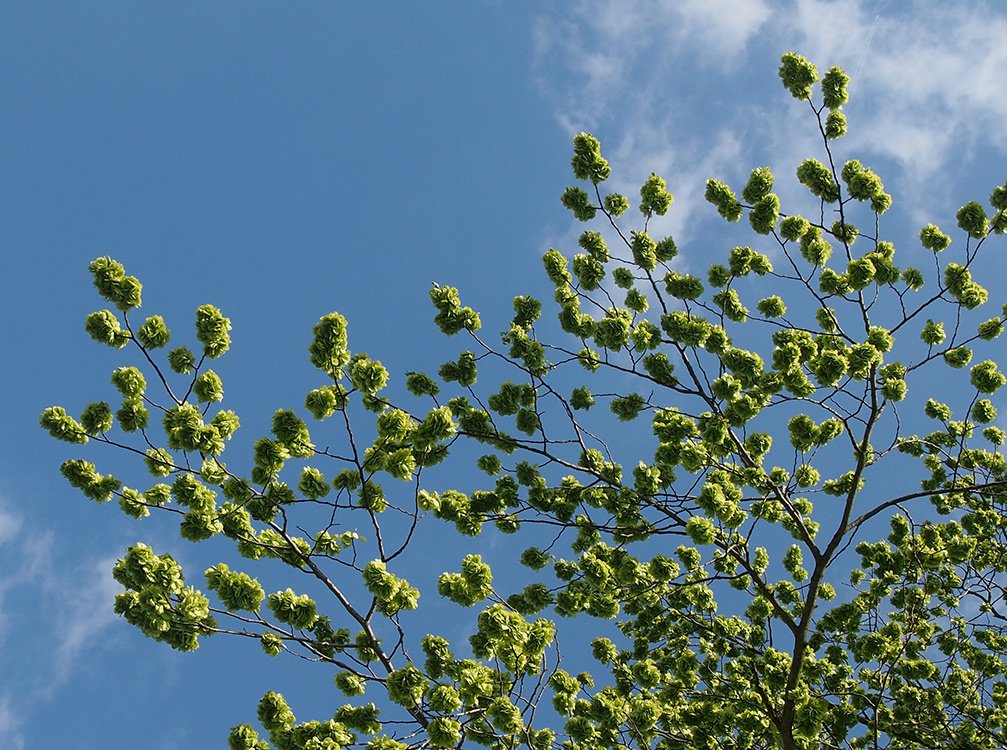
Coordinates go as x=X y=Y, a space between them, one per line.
x=286 y=160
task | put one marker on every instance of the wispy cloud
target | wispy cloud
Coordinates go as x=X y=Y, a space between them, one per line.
x=86 y=611
x=10 y=724
x=12 y=575
x=606 y=63
x=76 y=596
x=927 y=79
x=926 y=91
x=623 y=53
x=12 y=716
x=718 y=30
x=10 y=525
x=29 y=565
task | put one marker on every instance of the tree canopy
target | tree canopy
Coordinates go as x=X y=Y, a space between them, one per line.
x=746 y=479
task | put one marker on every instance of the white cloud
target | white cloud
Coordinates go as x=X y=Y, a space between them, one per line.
x=10 y=724
x=612 y=68
x=10 y=525
x=718 y=29
x=77 y=597
x=33 y=564
x=85 y=611
x=926 y=90
x=10 y=531
x=691 y=169
x=620 y=55
x=927 y=83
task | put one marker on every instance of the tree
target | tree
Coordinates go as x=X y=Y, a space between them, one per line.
x=808 y=553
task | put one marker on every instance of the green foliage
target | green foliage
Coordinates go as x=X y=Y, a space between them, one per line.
x=323 y=402
x=159 y=462
x=587 y=161
x=987 y=378
x=470 y=586
x=129 y=381
x=799 y=75
x=683 y=286
x=834 y=88
x=208 y=387
x=392 y=594
x=654 y=196
x=113 y=284
x=616 y=204
x=772 y=307
x=720 y=195
x=835 y=125
x=83 y=475
x=759 y=185
x=932 y=238
x=157 y=601
x=62 y=426
x=367 y=375
x=236 y=590
x=451 y=316
x=421 y=385
x=103 y=326
x=836 y=585
x=933 y=333
x=212 y=331
x=764 y=214
x=644 y=250
x=819 y=179
x=96 y=418
x=293 y=609
x=153 y=334
x=794 y=227
x=181 y=360
x=329 y=352
x=862 y=183
x=579 y=203
x=973 y=220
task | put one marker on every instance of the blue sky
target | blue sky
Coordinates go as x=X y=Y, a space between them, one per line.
x=282 y=162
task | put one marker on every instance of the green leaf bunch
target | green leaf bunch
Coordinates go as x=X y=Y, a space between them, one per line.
x=587 y=161
x=655 y=197
x=113 y=284
x=212 y=331
x=452 y=317
x=799 y=75
x=157 y=601
x=391 y=593
x=469 y=586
